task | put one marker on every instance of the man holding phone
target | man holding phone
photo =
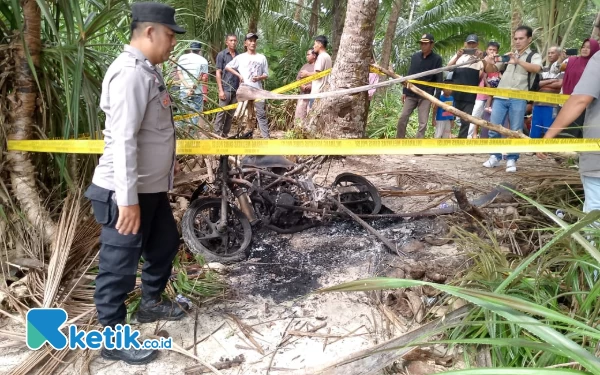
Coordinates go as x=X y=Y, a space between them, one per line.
x=518 y=75
x=469 y=75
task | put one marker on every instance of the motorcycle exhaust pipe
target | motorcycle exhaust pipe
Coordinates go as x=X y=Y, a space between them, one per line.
x=245 y=205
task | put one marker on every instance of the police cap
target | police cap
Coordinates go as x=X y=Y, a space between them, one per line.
x=157 y=13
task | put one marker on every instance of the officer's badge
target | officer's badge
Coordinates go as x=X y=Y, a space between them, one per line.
x=166 y=100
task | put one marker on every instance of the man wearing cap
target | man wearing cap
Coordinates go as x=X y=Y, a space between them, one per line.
x=192 y=71
x=469 y=75
x=421 y=61
x=130 y=184
x=252 y=68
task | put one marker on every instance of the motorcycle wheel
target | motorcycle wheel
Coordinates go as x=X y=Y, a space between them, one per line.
x=200 y=234
x=358 y=194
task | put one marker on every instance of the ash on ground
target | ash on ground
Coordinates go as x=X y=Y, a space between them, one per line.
x=286 y=267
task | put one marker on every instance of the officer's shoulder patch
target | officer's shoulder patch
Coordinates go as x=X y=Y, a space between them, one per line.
x=129 y=61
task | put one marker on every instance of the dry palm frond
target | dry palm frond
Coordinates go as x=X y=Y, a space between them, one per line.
x=33 y=360
x=68 y=281
x=546 y=179
x=61 y=247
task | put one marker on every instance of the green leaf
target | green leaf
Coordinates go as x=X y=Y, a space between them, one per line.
x=588 y=219
x=516 y=371
x=508 y=307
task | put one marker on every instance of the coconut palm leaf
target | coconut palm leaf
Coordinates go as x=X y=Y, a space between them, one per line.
x=450 y=21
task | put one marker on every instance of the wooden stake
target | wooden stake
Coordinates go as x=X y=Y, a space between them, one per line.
x=464 y=204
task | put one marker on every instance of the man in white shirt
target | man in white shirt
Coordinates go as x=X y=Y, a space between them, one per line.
x=252 y=68
x=322 y=63
x=192 y=69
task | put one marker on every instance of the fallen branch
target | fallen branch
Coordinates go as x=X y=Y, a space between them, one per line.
x=285 y=333
x=246 y=331
x=464 y=204
x=477 y=121
x=205 y=337
x=180 y=350
x=320 y=335
x=221 y=365
x=466 y=116
x=247 y=93
x=369 y=228
x=326 y=338
x=287 y=338
x=371 y=361
x=349 y=334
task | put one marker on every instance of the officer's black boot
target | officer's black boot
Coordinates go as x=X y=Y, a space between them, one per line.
x=153 y=308
x=130 y=356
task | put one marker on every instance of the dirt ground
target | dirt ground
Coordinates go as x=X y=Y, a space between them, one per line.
x=273 y=288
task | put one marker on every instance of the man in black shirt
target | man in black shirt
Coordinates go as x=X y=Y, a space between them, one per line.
x=227 y=84
x=421 y=61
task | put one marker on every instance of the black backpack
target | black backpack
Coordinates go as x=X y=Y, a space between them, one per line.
x=535 y=86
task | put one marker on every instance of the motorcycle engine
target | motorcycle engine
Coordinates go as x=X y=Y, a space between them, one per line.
x=285 y=217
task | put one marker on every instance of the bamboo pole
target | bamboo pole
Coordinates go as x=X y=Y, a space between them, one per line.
x=477 y=121
x=245 y=92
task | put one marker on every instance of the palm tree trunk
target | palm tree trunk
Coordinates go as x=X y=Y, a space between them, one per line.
x=254 y=16
x=346 y=116
x=23 y=103
x=298 y=13
x=339 y=15
x=215 y=48
x=253 y=24
x=313 y=24
x=390 y=34
x=596 y=28
x=516 y=16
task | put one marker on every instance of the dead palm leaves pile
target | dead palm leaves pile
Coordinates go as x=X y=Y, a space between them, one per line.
x=59 y=279
x=62 y=276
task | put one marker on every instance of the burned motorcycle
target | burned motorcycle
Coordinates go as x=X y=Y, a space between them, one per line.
x=269 y=192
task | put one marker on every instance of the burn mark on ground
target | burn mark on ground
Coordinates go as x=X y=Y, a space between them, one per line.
x=285 y=267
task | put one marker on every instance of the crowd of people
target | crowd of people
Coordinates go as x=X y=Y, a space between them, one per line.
x=521 y=69
x=251 y=68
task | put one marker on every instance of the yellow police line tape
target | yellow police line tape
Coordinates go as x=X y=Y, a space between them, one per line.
x=534 y=96
x=288 y=87
x=515 y=94
x=331 y=146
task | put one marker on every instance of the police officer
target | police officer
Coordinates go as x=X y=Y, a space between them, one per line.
x=129 y=188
